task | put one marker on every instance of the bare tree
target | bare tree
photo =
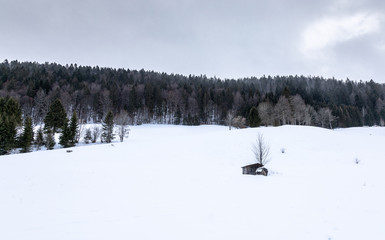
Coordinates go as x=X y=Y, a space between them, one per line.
x=282 y=110
x=80 y=131
x=299 y=110
x=239 y=122
x=265 y=110
x=325 y=117
x=238 y=101
x=41 y=106
x=261 y=150
x=88 y=136
x=310 y=115
x=229 y=119
x=122 y=120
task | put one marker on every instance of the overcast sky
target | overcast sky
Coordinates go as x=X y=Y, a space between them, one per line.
x=227 y=39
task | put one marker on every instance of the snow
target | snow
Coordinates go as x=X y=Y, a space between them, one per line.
x=178 y=182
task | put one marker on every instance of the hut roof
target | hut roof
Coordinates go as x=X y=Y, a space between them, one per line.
x=255 y=165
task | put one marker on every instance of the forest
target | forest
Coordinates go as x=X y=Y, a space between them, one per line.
x=161 y=98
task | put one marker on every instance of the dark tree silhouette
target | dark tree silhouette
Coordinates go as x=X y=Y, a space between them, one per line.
x=26 y=137
x=56 y=117
x=108 y=128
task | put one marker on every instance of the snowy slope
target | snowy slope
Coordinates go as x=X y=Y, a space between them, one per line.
x=175 y=182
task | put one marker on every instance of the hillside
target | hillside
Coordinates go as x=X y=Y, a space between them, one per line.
x=162 y=98
x=178 y=182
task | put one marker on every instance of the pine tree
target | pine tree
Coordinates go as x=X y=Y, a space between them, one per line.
x=254 y=119
x=49 y=140
x=10 y=119
x=27 y=136
x=39 y=140
x=65 y=136
x=108 y=128
x=132 y=104
x=56 y=116
x=178 y=116
x=73 y=130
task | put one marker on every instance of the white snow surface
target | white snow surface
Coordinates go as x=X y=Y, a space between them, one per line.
x=178 y=182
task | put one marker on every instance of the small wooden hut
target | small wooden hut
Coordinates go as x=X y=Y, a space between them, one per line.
x=251 y=169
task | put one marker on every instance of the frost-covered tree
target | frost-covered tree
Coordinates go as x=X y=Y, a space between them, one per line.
x=265 y=111
x=230 y=118
x=96 y=132
x=122 y=120
x=40 y=108
x=88 y=136
x=299 y=110
x=239 y=122
x=326 y=118
x=282 y=110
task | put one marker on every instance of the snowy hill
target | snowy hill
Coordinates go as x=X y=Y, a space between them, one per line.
x=176 y=182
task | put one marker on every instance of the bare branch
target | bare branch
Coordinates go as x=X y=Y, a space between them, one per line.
x=261 y=150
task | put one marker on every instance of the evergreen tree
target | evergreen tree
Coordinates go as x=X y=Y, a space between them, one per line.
x=49 y=140
x=108 y=128
x=254 y=119
x=73 y=130
x=151 y=97
x=10 y=119
x=56 y=116
x=3 y=135
x=27 y=136
x=132 y=104
x=65 y=136
x=39 y=140
x=178 y=116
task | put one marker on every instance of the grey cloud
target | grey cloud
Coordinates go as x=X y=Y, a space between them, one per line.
x=223 y=38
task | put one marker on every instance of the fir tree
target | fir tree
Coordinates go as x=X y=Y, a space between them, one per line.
x=254 y=119
x=27 y=136
x=73 y=130
x=65 y=136
x=56 y=116
x=49 y=140
x=10 y=119
x=178 y=116
x=108 y=128
x=39 y=140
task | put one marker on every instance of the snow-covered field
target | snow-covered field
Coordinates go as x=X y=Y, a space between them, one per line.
x=175 y=182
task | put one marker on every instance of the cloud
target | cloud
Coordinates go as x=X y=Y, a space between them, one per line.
x=220 y=37
x=329 y=31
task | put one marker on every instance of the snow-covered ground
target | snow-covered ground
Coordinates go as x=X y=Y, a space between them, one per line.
x=176 y=182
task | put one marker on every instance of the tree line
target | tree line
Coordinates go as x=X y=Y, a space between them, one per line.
x=16 y=134
x=152 y=97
